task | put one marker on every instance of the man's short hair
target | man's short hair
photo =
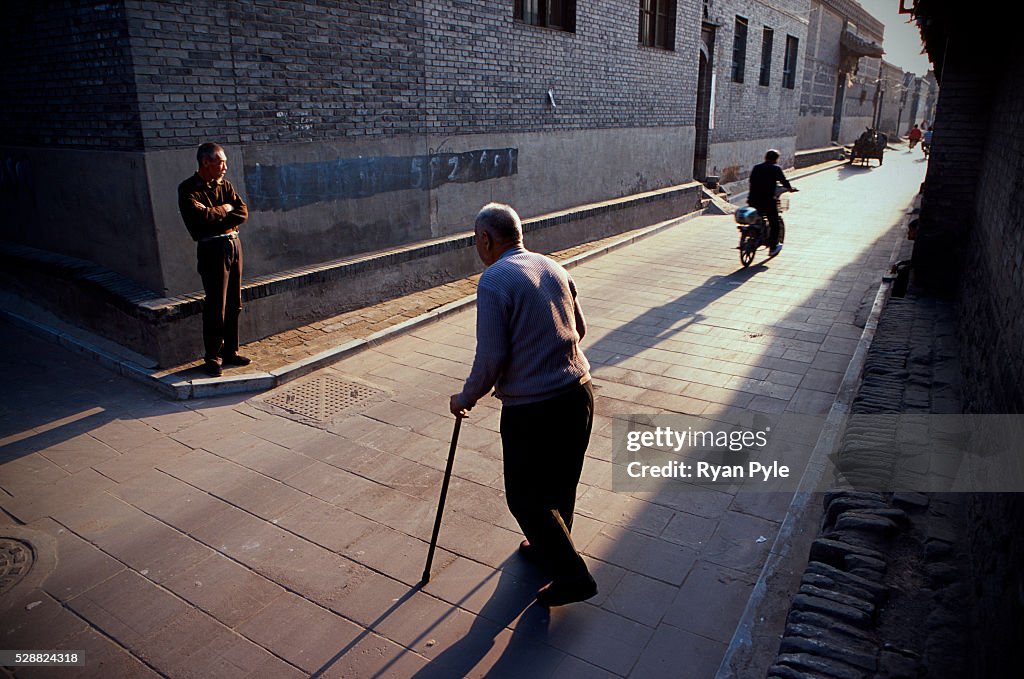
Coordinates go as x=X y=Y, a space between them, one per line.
x=501 y=221
x=771 y=155
x=207 y=150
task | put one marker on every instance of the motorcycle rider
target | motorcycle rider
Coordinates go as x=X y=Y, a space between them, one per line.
x=914 y=135
x=764 y=178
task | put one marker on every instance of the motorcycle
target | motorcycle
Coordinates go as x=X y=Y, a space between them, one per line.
x=754 y=227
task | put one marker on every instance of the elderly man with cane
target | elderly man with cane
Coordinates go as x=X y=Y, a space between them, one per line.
x=529 y=326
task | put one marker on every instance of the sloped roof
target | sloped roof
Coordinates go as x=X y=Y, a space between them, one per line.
x=860 y=46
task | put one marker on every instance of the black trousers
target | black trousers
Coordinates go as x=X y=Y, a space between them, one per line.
x=544 y=445
x=771 y=211
x=220 y=266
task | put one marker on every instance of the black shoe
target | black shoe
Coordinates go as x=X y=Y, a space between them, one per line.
x=212 y=368
x=236 y=359
x=560 y=593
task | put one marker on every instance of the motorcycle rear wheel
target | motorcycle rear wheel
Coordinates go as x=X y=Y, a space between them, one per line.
x=748 y=246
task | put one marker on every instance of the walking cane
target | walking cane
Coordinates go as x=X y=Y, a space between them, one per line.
x=440 y=504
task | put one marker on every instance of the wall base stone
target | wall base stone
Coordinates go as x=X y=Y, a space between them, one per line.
x=168 y=328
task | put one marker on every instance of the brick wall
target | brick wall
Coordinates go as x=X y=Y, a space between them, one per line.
x=276 y=71
x=993 y=281
x=821 y=62
x=66 y=79
x=992 y=337
x=828 y=20
x=860 y=95
x=488 y=73
x=820 y=76
x=749 y=110
x=971 y=240
x=951 y=185
x=271 y=70
x=283 y=70
x=893 y=120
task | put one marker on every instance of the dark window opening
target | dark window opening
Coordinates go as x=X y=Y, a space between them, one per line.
x=557 y=14
x=789 y=63
x=739 y=49
x=658 y=23
x=766 y=56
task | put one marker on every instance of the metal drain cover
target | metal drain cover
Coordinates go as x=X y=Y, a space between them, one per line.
x=15 y=562
x=322 y=398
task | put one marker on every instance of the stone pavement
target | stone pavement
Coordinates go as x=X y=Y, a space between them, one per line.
x=284 y=534
x=276 y=351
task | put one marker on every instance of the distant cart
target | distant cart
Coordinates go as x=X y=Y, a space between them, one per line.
x=870 y=144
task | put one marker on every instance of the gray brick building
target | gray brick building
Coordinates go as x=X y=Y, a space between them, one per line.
x=315 y=101
x=757 y=65
x=893 y=112
x=355 y=127
x=841 y=71
x=351 y=126
x=971 y=243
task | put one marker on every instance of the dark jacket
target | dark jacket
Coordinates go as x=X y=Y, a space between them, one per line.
x=763 y=180
x=202 y=207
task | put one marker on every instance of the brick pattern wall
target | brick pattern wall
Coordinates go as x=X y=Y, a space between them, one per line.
x=67 y=78
x=273 y=70
x=893 y=95
x=488 y=73
x=992 y=337
x=749 y=110
x=821 y=62
x=277 y=70
x=951 y=184
x=993 y=290
x=860 y=95
x=828 y=19
x=155 y=74
x=971 y=234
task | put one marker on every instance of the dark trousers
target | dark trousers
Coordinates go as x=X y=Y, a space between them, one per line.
x=771 y=212
x=544 y=445
x=220 y=266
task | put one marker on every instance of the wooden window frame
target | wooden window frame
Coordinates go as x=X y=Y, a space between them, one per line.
x=658 y=24
x=767 y=45
x=739 y=48
x=789 y=64
x=559 y=15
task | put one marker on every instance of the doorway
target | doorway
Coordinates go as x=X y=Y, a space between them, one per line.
x=705 y=94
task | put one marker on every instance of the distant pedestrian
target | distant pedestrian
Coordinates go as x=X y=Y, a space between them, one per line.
x=529 y=326
x=212 y=211
x=914 y=135
x=765 y=178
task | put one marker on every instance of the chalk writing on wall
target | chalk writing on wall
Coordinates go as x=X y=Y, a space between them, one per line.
x=286 y=187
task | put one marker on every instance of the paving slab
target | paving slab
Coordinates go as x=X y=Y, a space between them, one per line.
x=210 y=533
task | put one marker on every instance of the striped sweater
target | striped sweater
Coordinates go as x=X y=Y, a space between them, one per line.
x=528 y=329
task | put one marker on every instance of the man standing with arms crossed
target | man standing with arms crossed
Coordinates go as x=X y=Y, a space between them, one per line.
x=212 y=211
x=529 y=325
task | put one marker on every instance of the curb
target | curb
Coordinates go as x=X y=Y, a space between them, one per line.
x=758 y=606
x=208 y=387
